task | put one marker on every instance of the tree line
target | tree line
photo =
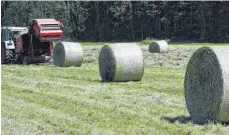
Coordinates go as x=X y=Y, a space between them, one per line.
x=127 y=20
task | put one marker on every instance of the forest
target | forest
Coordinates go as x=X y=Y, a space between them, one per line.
x=178 y=21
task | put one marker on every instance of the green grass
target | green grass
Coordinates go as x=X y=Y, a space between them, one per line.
x=200 y=44
x=46 y=99
x=99 y=43
x=92 y=43
x=170 y=43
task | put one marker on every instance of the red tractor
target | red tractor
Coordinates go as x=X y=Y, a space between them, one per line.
x=33 y=44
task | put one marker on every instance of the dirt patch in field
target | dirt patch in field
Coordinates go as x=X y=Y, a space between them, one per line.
x=178 y=56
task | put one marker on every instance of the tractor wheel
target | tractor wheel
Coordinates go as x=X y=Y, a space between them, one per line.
x=7 y=56
x=26 y=60
x=2 y=54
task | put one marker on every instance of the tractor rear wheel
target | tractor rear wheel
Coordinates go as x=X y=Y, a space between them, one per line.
x=26 y=60
x=7 y=55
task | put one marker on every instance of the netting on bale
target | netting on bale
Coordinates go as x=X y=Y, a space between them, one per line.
x=121 y=62
x=207 y=85
x=67 y=54
x=160 y=46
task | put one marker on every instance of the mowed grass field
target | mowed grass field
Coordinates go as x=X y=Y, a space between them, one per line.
x=44 y=99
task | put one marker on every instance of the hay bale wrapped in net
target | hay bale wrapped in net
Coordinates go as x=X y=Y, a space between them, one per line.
x=207 y=85
x=67 y=54
x=121 y=62
x=160 y=46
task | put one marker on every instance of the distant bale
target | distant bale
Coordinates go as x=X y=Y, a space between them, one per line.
x=68 y=54
x=207 y=85
x=121 y=62
x=160 y=46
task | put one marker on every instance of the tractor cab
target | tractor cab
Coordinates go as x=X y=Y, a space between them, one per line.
x=11 y=33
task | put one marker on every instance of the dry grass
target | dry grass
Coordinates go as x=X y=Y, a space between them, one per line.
x=177 y=56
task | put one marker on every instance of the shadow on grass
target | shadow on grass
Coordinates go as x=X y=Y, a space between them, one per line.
x=185 y=119
x=181 y=119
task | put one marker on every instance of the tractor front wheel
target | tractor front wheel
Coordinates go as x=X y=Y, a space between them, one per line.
x=2 y=54
x=7 y=55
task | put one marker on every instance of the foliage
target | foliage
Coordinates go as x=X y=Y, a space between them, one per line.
x=147 y=41
x=127 y=20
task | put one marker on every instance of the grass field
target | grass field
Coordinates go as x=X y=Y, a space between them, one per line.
x=170 y=43
x=44 y=99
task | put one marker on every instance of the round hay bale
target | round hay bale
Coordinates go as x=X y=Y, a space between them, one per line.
x=207 y=85
x=121 y=62
x=68 y=54
x=160 y=46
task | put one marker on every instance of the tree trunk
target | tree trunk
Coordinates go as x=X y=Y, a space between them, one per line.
x=192 y=17
x=142 y=31
x=97 y=25
x=203 y=28
x=159 y=25
x=132 y=23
